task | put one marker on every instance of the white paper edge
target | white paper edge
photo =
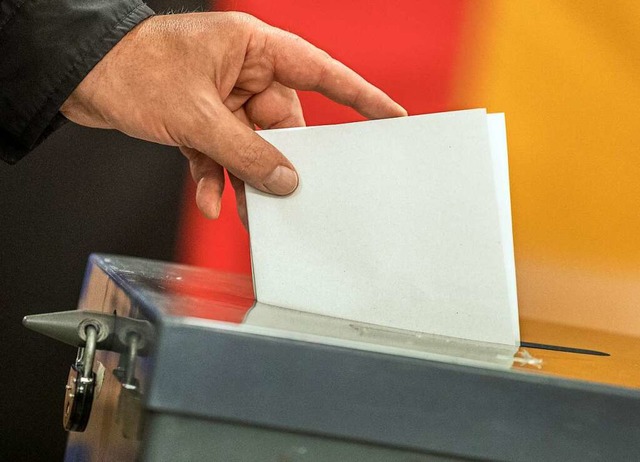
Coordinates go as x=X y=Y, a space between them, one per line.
x=500 y=159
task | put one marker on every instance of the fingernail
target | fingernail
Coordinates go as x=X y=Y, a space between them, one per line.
x=282 y=181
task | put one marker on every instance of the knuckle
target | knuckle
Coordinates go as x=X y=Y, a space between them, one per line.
x=197 y=166
x=356 y=97
x=242 y=19
x=289 y=95
x=323 y=71
x=194 y=168
x=251 y=158
x=189 y=123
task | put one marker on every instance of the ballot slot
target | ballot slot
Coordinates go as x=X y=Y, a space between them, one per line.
x=300 y=325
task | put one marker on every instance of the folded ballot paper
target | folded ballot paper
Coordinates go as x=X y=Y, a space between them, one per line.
x=403 y=223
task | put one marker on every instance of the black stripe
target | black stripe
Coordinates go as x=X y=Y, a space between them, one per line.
x=582 y=351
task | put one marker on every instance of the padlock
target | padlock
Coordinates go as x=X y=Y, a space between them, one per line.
x=91 y=331
x=81 y=384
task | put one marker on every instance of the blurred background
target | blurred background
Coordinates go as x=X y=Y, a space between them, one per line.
x=565 y=73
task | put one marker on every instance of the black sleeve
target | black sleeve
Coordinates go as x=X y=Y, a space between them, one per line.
x=46 y=49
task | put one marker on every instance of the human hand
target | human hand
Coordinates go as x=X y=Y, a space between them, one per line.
x=202 y=82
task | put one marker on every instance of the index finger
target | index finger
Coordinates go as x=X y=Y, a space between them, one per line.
x=300 y=65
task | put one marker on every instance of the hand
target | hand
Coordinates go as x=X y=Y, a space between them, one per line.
x=202 y=82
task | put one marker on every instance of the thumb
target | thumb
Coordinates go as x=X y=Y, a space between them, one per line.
x=244 y=153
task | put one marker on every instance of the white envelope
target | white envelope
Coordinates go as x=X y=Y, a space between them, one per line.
x=404 y=223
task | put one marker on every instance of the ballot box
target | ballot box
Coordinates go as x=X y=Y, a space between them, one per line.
x=182 y=364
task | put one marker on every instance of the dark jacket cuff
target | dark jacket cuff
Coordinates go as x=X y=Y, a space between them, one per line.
x=46 y=49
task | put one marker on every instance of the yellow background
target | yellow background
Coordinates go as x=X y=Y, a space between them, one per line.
x=567 y=75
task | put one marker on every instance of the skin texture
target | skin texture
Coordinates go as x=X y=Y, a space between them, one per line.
x=203 y=82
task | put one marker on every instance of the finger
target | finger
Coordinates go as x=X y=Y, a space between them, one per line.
x=241 y=199
x=242 y=116
x=276 y=107
x=238 y=184
x=209 y=176
x=300 y=65
x=237 y=98
x=227 y=140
